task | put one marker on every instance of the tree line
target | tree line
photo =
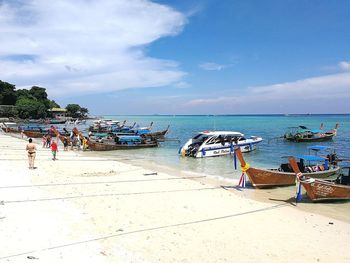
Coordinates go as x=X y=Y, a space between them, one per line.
x=32 y=103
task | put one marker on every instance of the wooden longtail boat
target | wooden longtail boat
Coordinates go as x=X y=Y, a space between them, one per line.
x=61 y=137
x=303 y=134
x=318 y=190
x=158 y=134
x=282 y=176
x=9 y=129
x=122 y=143
x=34 y=134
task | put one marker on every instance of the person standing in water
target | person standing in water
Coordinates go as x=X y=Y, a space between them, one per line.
x=31 y=149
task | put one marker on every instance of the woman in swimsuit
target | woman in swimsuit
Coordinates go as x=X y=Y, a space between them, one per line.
x=31 y=149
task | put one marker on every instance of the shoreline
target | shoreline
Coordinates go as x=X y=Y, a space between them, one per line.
x=122 y=212
x=276 y=195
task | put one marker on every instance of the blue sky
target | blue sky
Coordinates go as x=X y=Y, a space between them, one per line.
x=181 y=57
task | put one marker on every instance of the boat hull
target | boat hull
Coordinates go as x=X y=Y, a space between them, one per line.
x=219 y=151
x=318 y=190
x=11 y=130
x=325 y=137
x=97 y=146
x=262 y=178
x=37 y=134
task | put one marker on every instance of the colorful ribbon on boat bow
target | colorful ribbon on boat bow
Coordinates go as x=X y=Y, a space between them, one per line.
x=298 y=192
x=242 y=179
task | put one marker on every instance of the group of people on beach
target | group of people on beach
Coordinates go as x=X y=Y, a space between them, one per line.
x=49 y=142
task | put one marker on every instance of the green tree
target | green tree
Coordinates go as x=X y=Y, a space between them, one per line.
x=53 y=104
x=7 y=93
x=73 y=110
x=30 y=108
x=84 y=112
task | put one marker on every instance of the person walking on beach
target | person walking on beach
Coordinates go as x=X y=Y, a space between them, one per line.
x=44 y=141
x=31 y=149
x=54 y=150
x=65 y=143
x=48 y=141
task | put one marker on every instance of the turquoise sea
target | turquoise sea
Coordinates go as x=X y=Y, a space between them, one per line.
x=269 y=127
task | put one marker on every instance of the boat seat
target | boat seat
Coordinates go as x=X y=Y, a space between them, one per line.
x=285 y=167
x=345 y=179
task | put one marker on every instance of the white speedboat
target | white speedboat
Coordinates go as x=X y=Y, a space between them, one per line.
x=216 y=143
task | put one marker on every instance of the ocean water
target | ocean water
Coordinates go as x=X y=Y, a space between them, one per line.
x=268 y=154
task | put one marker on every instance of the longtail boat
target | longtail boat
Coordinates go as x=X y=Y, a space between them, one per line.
x=10 y=127
x=284 y=175
x=158 y=134
x=303 y=134
x=319 y=190
x=66 y=134
x=121 y=143
x=34 y=134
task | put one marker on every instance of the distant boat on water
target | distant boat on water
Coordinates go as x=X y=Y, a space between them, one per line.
x=304 y=134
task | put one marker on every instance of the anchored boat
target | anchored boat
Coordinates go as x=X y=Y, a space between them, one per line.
x=216 y=143
x=303 y=134
x=313 y=165
x=121 y=143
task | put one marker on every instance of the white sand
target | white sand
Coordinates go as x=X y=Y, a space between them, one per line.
x=118 y=214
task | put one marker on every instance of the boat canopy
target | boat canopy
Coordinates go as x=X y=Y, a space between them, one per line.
x=129 y=138
x=316 y=131
x=100 y=134
x=318 y=147
x=311 y=158
x=222 y=133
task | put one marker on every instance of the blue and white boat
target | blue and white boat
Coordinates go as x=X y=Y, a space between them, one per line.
x=216 y=143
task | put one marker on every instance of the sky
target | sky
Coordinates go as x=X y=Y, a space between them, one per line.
x=181 y=57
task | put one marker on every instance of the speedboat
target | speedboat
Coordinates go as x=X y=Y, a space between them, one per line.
x=216 y=143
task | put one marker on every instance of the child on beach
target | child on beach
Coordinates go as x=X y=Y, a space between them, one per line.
x=31 y=149
x=54 y=150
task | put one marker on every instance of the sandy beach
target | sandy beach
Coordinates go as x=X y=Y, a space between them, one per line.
x=89 y=209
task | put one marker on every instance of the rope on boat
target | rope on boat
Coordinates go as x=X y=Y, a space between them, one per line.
x=100 y=195
x=102 y=182
x=205 y=220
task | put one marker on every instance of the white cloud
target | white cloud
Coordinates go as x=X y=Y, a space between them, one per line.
x=182 y=85
x=324 y=94
x=86 y=46
x=213 y=66
x=344 y=65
